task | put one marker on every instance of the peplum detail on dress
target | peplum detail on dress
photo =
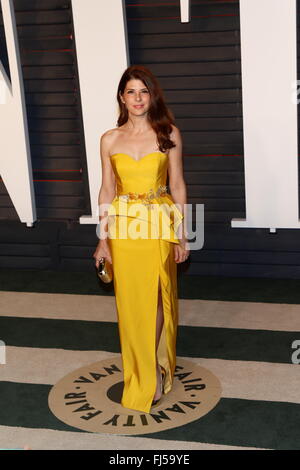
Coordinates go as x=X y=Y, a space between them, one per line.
x=160 y=212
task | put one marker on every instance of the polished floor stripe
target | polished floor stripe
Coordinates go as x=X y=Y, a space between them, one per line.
x=217 y=343
x=211 y=313
x=239 y=379
x=48 y=439
x=245 y=289
x=235 y=422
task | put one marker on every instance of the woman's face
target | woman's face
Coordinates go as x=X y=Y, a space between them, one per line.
x=136 y=97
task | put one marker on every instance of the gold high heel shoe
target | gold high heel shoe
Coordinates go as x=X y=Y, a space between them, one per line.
x=163 y=378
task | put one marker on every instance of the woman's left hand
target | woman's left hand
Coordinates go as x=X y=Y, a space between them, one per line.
x=181 y=252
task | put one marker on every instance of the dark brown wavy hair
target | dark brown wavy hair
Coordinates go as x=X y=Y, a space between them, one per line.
x=159 y=116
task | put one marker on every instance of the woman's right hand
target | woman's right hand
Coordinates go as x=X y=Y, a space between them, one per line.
x=102 y=251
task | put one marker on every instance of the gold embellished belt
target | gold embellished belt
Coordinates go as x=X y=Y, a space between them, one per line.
x=146 y=197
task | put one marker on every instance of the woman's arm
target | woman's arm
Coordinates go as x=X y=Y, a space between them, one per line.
x=108 y=186
x=176 y=179
x=106 y=195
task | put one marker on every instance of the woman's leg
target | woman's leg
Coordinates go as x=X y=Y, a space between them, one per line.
x=159 y=327
x=159 y=318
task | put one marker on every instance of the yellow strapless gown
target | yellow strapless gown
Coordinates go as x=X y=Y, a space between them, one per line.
x=139 y=264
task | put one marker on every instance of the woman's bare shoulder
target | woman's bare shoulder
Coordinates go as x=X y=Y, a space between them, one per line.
x=175 y=131
x=110 y=134
x=175 y=135
x=109 y=138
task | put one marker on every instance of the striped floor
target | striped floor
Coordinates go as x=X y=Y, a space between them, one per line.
x=247 y=345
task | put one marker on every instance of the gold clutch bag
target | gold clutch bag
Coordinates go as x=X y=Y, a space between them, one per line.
x=105 y=271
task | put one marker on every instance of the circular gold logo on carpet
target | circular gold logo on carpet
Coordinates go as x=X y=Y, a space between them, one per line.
x=89 y=398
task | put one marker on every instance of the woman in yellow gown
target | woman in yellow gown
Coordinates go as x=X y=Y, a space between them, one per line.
x=144 y=235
